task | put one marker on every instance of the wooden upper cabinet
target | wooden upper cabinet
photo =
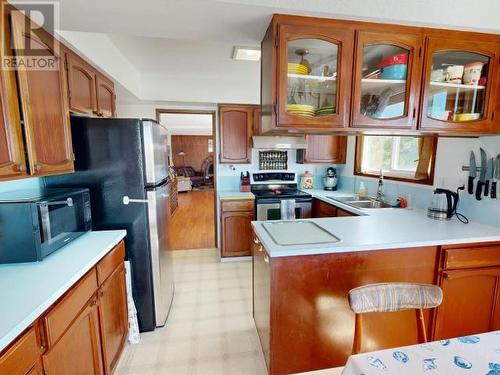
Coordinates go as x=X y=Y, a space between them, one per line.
x=81 y=85
x=460 y=79
x=257 y=123
x=325 y=149
x=386 y=86
x=236 y=123
x=12 y=160
x=44 y=103
x=105 y=92
x=314 y=77
x=113 y=316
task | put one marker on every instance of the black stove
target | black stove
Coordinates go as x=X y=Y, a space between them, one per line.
x=278 y=191
x=276 y=185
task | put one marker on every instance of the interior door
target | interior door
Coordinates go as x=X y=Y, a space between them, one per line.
x=161 y=257
x=44 y=102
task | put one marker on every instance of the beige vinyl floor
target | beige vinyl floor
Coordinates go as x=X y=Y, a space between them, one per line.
x=210 y=329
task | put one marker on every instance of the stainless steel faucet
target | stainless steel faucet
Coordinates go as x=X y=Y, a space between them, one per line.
x=380 y=193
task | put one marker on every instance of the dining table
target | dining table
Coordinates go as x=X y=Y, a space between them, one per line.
x=474 y=354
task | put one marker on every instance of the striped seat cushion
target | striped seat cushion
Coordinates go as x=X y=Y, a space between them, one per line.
x=388 y=297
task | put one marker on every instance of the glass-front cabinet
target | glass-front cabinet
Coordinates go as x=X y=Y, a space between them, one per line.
x=459 y=81
x=386 y=80
x=314 y=77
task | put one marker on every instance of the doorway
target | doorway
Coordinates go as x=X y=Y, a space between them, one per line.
x=191 y=144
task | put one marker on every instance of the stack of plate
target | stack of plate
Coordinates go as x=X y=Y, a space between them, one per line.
x=294 y=68
x=323 y=111
x=301 y=109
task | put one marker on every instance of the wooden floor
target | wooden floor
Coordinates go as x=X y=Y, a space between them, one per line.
x=192 y=225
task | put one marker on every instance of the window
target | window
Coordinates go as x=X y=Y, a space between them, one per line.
x=400 y=158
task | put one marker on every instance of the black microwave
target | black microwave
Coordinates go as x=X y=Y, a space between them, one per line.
x=34 y=224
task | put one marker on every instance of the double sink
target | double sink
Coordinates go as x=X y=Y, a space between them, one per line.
x=361 y=203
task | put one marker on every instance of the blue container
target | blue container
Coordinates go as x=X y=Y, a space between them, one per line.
x=397 y=71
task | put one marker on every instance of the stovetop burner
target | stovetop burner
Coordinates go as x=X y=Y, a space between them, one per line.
x=280 y=193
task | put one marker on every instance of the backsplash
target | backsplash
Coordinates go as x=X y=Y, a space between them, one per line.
x=228 y=176
x=451 y=154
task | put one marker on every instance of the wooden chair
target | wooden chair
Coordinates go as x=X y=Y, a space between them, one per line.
x=392 y=297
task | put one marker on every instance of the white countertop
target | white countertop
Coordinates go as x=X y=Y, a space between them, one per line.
x=386 y=228
x=229 y=195
x=28 y=289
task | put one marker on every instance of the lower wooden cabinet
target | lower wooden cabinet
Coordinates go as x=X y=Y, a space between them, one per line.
x=79 y=349
x=470 y=279
x=470 y=302
x=83 y=333
x=23 y=356
x=113 y=317
x=323 y=209
x=236 y=228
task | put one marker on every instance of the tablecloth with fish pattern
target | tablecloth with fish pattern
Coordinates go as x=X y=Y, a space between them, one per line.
x=474 y=355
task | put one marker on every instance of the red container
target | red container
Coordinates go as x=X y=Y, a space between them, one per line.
x=400 y=58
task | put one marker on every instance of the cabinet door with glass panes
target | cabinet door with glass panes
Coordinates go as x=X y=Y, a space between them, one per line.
x=459 y=81
x=386 y=80
x=314 y=75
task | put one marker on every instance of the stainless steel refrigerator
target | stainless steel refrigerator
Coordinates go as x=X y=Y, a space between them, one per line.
x=124 y=163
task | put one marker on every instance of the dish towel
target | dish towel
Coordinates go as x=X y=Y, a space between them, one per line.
x=133 y=325
x=288 y=209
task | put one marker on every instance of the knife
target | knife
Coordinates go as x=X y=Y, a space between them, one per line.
x=489 y=176
x=496 y=177
x=482 y=176
x=472 y=172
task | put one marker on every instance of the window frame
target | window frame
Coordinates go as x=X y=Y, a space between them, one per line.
x=358 y=157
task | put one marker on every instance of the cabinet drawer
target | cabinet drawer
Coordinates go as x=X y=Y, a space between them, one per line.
x=59 y=318
x=238 y=205
x=22 y=355
x=110 y=262
x=472 y=257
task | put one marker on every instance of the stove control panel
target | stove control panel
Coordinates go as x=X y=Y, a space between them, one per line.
x=273 y=177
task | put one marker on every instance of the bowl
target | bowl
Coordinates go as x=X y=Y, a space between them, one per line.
x=397 y=71
x=398 y=59
x=466 y=117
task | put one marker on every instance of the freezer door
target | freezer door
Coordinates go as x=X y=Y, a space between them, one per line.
x=155 y=152
x=161 y=258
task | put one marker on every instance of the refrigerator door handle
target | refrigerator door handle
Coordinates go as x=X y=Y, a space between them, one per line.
x=127 y=200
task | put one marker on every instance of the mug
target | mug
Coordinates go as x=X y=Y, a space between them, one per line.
x=438 y=75
x=454 y=73
x=472 y=73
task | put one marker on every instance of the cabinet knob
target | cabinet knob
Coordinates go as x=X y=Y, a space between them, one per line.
x=43 y=348
x=21 y=167
x=38 y=167
x=260 y=248
x=256 y=240
x=93 y=302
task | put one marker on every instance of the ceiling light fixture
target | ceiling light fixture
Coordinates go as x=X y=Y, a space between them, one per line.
x=246 y=53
